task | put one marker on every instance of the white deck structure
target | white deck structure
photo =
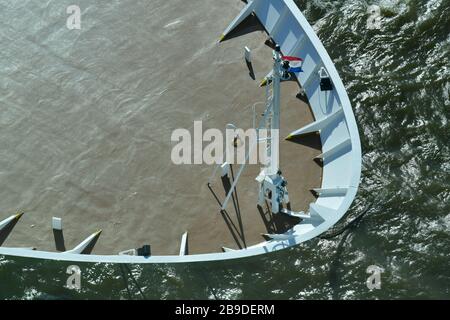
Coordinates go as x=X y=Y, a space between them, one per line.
x=334 y=121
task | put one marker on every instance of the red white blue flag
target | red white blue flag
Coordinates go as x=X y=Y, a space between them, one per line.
x=295 y=63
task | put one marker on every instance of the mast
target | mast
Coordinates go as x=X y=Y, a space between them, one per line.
x=272 y=185
x=273 y=119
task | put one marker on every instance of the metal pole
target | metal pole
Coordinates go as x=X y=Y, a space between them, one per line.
x=275 y=119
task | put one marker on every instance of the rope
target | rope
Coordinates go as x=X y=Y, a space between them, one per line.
x=125 y=279
x=353 y=223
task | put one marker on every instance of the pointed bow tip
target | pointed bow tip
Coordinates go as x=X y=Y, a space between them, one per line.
x=289 y=137
x=19 y=215
x=222 y=36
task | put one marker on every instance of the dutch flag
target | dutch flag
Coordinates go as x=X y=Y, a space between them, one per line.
x=295 y=63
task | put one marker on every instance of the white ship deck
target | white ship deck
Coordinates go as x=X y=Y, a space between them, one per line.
x=140 y=197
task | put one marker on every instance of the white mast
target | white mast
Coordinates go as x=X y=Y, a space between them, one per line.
x=272 y=184
x=273 y=118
